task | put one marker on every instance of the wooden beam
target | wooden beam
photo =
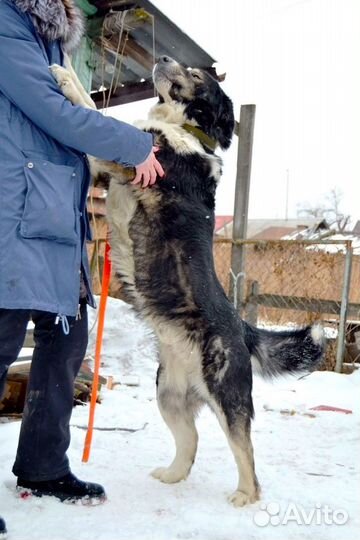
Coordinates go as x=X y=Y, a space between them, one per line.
x=130 y=47
x=301 y=303
x=139 y=54
x=103 y=5
x=124 y=94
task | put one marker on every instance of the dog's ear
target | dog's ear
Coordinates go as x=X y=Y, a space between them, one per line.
x=215 y=117
x=225 y=122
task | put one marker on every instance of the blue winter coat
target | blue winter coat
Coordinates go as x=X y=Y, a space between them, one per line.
x=44 y=175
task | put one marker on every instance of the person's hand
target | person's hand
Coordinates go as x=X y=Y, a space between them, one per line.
x=148 y=171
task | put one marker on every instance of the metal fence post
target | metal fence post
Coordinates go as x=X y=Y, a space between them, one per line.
x=241 y=204
x=340 y=350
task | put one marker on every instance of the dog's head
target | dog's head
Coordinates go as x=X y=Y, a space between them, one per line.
x=205 y=103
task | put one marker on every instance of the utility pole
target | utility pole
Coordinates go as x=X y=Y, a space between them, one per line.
x=287 y=195
x=241 y=205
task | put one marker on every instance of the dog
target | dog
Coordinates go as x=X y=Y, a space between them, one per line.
x=161 y=244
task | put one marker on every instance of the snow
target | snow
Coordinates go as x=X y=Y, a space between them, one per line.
x=338 y=248
x=304 y=457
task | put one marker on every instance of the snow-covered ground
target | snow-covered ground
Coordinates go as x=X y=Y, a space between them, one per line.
x=307 y=461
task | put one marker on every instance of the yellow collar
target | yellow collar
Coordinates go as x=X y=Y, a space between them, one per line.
x=205 y=140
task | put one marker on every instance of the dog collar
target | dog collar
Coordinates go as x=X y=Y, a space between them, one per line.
x=205 y=140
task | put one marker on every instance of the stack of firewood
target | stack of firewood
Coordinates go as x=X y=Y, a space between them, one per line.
x=13 y=400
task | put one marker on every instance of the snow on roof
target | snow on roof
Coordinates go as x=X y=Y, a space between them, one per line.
x=322 y=231
x=339 y=248
x=256 y=226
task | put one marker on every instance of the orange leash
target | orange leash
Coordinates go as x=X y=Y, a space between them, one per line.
x=99 y=338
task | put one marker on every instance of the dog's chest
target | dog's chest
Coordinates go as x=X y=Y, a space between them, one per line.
x=122 y=203
x=121 y=206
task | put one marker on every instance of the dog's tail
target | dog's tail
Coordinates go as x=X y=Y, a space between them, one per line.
x=276 y=353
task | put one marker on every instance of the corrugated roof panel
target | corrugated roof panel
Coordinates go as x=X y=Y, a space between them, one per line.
x=123 y=34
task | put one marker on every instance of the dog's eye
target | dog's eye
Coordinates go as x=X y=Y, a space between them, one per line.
x=195 y=76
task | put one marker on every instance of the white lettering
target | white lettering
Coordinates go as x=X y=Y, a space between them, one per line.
x=307 y=517
x=291 y=514
x=326 y=512
x=340 y=516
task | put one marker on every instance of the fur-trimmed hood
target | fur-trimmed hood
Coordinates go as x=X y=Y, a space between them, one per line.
x=55 y=19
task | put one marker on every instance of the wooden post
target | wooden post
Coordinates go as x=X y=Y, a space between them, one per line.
x=251 y=306
x=341 y=340
x=241 y=205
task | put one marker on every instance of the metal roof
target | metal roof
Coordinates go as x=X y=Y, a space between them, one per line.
x=125 y=38
x=256 y=227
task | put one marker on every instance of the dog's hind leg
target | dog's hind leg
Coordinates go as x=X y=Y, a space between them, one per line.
x=248 y=490
x=229 y=383
x=178 y=406
x=238 y=435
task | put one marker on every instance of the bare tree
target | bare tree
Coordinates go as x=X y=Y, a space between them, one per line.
x=334 y=213
x=330 y=210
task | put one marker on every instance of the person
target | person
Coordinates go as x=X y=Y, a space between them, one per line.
x=44 y=272
x=3 y=530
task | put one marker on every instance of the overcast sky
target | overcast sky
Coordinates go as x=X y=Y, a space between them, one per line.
x=298 y=61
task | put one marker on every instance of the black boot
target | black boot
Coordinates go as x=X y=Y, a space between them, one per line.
x=67 y=488
x=3 y=530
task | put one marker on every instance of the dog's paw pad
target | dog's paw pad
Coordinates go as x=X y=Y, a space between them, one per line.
x=167 y=475
x=240 y=498
x=55 y=68
x=61 y=74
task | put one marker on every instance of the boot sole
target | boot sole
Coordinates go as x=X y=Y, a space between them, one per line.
x=87 y=500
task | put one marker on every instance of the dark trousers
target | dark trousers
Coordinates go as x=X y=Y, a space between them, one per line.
x=45 y=433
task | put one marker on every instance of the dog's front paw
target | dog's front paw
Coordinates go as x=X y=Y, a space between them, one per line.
x=169 y=475
x=240 y=498
x=62 y=76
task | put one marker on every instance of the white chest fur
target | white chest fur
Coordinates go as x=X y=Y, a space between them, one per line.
x=121 y=206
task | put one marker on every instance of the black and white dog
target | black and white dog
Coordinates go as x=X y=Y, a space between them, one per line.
x=162 y=251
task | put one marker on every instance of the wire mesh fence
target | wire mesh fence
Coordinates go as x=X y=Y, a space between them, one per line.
x=284 y=284
x=287 y=283
x=352 y=328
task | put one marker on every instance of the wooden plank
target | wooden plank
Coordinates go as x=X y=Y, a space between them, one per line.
x=251 y=308
x=125 y=94
x=14 y=396
x=281 y=242
x=20 y=366
x=139 y=54
x=97 y=193
x=340 y=352
x=301 y=303
x=96 y=207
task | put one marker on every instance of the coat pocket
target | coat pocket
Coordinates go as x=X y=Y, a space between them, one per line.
x=49 y=210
